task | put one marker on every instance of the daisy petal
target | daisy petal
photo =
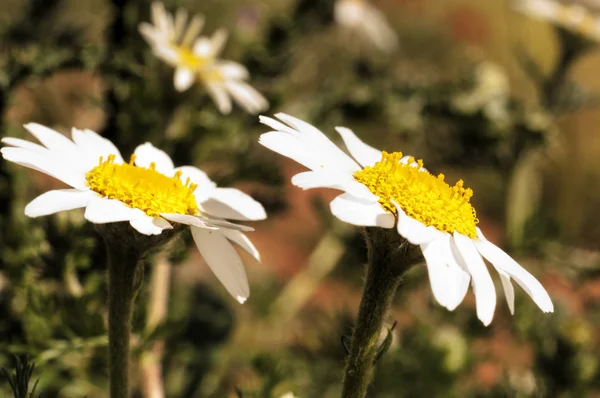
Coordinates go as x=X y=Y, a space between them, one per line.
x=242 y=241
x=356 y=212
x=442 y=285
x=485 y=293
x=183 y=79
x=51 y=139
x=509 y=290
x=233 y=204
x=150 y=226
x=247 y=96
x=365 y=155
x=224 y=261
x=104 y=210
x=413 y=230
x=457 y=273
x=186 y=220
x=19 y=143
x=503 y=262
x=58 y=200
x=220 y=97
x=94 y=146
x=146 y=154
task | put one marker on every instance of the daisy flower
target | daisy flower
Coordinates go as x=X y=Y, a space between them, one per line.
x=368 y=21
x=149 y=192
x=577 y=15
x=389 y=190
x=196 y=58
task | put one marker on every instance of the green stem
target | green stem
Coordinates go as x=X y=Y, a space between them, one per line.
x=125 y=275
x=384 y=274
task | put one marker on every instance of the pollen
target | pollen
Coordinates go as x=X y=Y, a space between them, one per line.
x=143 y=188
x=421 y=195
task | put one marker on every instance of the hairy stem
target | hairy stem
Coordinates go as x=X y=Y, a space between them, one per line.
x=125 y=275
x=387 y=262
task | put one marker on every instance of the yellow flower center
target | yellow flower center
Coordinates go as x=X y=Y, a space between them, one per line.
x=421 y=195
x=144 y=189
x=190 y=60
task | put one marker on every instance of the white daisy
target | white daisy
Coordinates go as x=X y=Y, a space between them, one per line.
x=388 y=190
x=577 y=15
x=197 y=59
x=148 y=192
x=368 y=21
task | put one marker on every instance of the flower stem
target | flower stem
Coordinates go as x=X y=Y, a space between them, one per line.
x=125 y=275
x=384 y=273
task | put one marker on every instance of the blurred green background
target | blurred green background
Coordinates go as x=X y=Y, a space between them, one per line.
x=477 y=90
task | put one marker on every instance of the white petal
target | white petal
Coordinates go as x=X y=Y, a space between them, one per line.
x=104 y=210
x=183 y=79
x=19 y=143
x=147 y=225
x=356 y=212
x=193 y=30
x=327 y=150
x=224 y=261
x=212 y=222
x=219 y=96
x=458 y=272
x=66 y=170
x=51 y=139
x=241 y=240
x=218 y=40
x=146 y=154
x=202 y=47
x=247 y=96
x=181 y=17
x=276 y=125
x=485 y=293
x=233 y=204
x=365 y=155
x=509 y=290
x=58 y=200
x=413 y=230
x=185 y=219
x=233 y=71
x=93 y=146
x=442 y=286
x=150 y=33
x=503 y=262
x=292 y=147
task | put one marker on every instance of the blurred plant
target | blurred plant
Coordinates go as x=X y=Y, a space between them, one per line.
x=19 y=381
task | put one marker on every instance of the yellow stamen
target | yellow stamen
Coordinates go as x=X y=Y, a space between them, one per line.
x=190 y=60
x=144 y=189
x=420 y=194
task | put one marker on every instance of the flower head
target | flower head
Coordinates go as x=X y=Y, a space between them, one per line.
x=196 y=58
x=368 y=21
x=148 y=192
x=391 y=190
x=576 y=15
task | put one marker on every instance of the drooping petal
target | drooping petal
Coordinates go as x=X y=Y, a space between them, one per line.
x=146 y=154
x=219 y=96
x=242 y=241
x=503 y=262
x=413 y=230
x=233 y=204
x=186 y=220
x=485 y=293
x=103 y=210
x=457 y=273
x=442 y=285
x=365 y=155
x=147 y=225
x=509 y=290
x=183 y=79
x=247 y=96
x=58 y=200
x=224 y=261
x=356 y=212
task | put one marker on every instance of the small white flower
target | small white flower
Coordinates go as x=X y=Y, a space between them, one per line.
x=149 y=192
x=388 y=190
x=368 y=21
x=490 y=94
x=197 y=59
x=577 y=15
